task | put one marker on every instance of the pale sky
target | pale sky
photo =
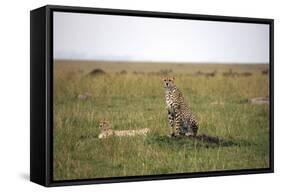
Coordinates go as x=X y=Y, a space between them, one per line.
x=108 y=37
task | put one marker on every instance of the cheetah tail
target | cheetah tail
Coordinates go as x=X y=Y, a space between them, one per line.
x=207 y=138
x=213 y=139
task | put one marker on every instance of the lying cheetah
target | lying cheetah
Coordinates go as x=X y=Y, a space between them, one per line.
x=106 y=131
x=181 y=119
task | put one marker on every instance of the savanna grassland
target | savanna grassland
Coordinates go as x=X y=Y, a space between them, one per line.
x=134 y=99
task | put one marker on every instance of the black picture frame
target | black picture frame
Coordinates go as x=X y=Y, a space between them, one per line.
x=41 y=94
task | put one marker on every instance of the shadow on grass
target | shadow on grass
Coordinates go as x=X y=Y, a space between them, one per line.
x=201 y=141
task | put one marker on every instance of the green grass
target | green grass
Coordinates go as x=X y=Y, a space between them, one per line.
x=137 y=101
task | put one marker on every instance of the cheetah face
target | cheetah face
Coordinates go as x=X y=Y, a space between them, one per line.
x=169 y=82
x=104 y=125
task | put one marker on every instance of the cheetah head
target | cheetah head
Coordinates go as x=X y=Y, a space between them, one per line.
x=104 y=126
x=169 y=82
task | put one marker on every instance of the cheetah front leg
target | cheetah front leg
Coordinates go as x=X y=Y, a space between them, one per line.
x=177 y=125
x=171 y=122
x=177 y=121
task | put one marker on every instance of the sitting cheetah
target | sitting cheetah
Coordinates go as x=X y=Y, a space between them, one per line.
x=181 y=119
x=106 y=131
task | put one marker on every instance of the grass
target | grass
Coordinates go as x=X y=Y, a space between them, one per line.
x=132 y=101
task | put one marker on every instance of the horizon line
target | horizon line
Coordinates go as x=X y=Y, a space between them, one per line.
x=163 y=62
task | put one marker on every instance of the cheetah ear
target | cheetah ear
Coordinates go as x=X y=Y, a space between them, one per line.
x=173 y=78
x=106 y=121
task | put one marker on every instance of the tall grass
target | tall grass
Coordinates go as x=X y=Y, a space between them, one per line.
x=137 y=101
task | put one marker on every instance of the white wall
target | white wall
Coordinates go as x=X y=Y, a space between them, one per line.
x=14 y=101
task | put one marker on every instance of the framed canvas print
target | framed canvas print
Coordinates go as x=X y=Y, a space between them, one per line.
x=122 y=95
